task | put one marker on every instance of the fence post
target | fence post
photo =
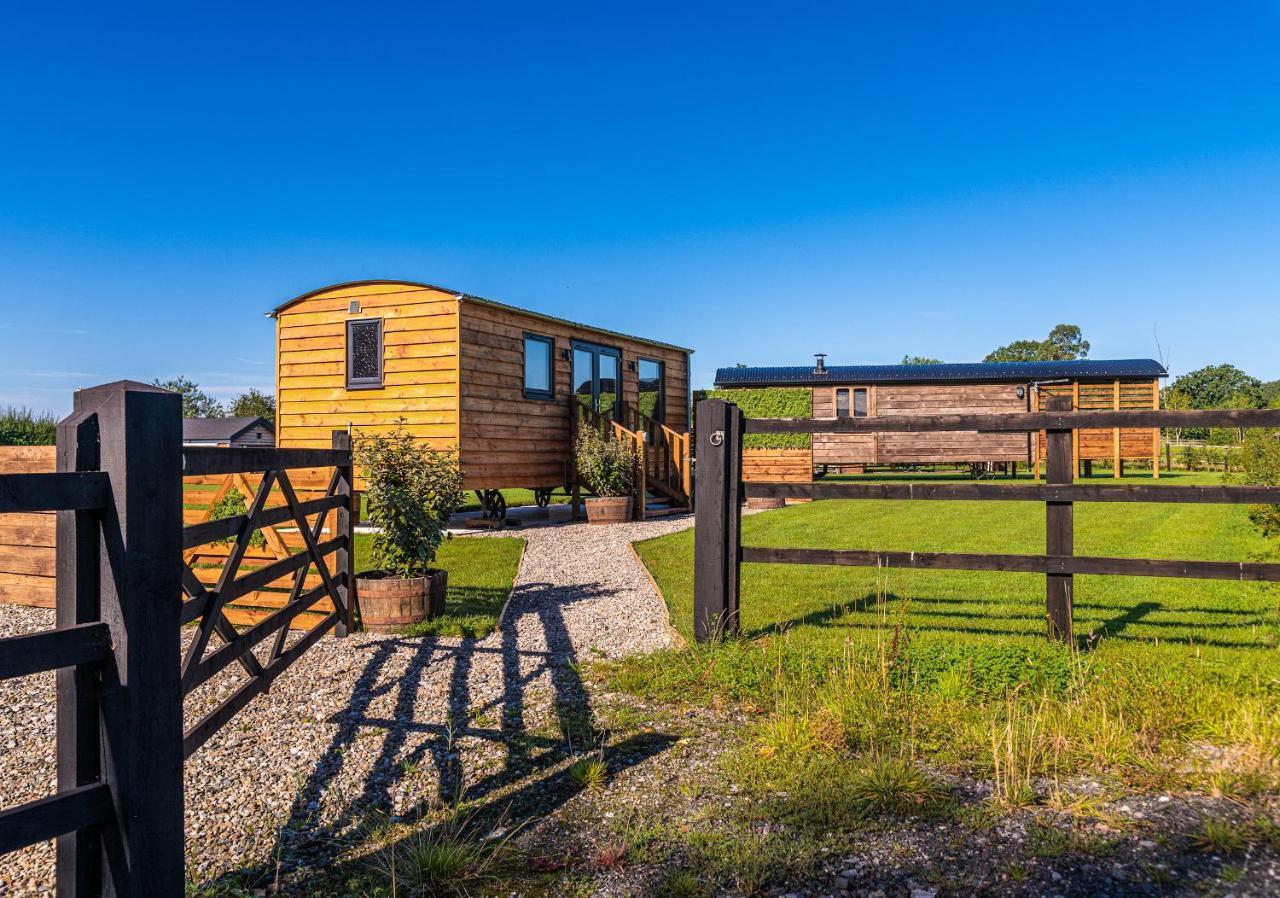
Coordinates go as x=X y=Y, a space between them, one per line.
x=140 y=593
x=1059 y=525
x=717 y=520
x=79 y=854
x=344 y=526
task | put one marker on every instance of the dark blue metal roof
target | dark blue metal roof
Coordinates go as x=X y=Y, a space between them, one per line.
x=1019 y=372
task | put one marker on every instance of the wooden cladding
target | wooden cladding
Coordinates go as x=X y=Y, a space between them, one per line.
x=777 y=465
x=508 y=439
x=458 y=372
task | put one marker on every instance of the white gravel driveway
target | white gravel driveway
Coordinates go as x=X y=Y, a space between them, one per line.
x=372 y=723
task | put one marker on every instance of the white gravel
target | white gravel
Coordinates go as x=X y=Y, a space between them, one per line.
x=372 y=722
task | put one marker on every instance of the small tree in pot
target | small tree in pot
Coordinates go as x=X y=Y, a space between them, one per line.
x=412 y=490
x=607 y=465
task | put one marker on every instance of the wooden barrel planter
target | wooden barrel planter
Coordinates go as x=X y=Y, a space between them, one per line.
x=388 y=603
x=609 y=510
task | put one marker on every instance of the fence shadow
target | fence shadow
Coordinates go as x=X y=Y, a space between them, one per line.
x=533 y=645
x=923 y=616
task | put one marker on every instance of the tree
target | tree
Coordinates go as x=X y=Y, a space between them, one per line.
x=1220 y=386
x=196 y=403
x=254 y=404
x=920 y=360
x=1065 y=342
x=1271 y=393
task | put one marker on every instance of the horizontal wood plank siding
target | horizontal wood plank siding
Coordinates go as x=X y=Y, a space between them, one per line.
x=28 y=557
x=510 y=441
x=910 y=400
x=777 y=465
x=420 y=366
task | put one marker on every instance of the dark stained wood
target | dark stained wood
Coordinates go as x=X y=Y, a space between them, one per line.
x=230 y=652
x=140 y=580
x=226 y=528
x=1059 y=525
x=1220 y=495
x=213 y=617
x=53 y=649
x=63 y=491
x=200 y=461
x=46 y=818
x=1024 y=564
x=79 y=734
x=348 y=513
x=1018 y=423
x=718 y=520
x=215 y=719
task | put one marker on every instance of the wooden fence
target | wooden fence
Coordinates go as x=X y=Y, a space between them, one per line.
x=719 y=553
x=122 y=671
x=28 y=542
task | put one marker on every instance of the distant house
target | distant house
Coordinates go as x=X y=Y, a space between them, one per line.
x=237 y=433
x=856 y=391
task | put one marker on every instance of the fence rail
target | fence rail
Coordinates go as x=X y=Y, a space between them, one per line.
x=121 y=570
x=1021 y=422
x=718 y=553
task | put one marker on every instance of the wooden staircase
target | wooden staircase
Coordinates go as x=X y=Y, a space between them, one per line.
x=666 y=486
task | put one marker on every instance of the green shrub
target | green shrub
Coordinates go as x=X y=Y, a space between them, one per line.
x=606 y=464
x=769 y=402
x=412 y=491
x=1259 y=461
x=231 y=504
x=23 y=427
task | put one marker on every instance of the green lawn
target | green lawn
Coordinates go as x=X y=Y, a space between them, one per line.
x=481 y=574
x=937 y=664
x=839 y=601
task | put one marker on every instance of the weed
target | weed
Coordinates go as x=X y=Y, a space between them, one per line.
x=590 y=772
x=446 y=858
x=1222 y=836
x=893 y=785
x=611 y=856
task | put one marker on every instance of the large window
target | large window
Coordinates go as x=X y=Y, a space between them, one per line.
x=651 y=388
x=851 y=399
x=364 y=354
x=596 y=376
x=538 y=377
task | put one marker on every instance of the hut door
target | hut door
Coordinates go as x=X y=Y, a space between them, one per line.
x=597 y=377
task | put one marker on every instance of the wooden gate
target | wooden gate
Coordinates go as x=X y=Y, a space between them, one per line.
x=719 y=553
x=124 y=558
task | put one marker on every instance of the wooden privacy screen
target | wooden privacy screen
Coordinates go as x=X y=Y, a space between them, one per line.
x=1112 y=443
x=28 y=544
x=777 y=465
x=28 y=560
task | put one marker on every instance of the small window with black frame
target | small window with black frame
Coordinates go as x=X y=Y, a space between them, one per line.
x=652 y=383
x=364 y=354
x=539 y=354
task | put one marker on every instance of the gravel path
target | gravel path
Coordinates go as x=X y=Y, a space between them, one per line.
x=375 y=725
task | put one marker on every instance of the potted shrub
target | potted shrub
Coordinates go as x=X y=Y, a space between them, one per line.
x=607 y=465
x=412 y=490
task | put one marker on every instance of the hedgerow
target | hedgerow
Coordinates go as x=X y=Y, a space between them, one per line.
x=769 y=402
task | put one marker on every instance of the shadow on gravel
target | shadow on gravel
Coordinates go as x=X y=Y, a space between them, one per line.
x=304 y=843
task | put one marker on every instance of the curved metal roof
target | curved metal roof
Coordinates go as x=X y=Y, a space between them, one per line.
x=1018 y=372
x=470 y=297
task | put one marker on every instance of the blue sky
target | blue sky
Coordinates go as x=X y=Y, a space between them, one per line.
x=757 y=182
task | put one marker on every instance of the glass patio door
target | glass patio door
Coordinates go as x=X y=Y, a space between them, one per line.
x=597 y=377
